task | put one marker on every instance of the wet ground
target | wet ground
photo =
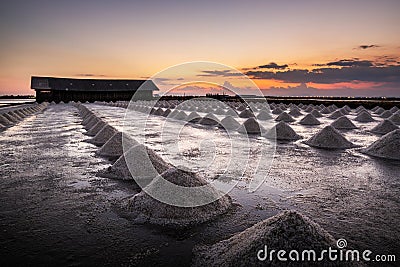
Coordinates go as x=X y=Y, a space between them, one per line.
x=54 y=210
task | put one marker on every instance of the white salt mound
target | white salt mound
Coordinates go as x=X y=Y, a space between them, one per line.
x=329 y=138
x=364 y=116
x=103 y=135
x=229 y=123
x=282 y=131
x=295 y=112
x=251 y=126
x=193 y=117
x=384 y=127
x=10 y=117
x=316 y=113
x=309 y=119
x=395 y=118
x=113 y=148
x=385 y=147
x=386 y=114
x=288 y=231
x=138 y=158
x=277 y=111
x=156 y=212
x=4 y=120
x=246 y=114
x=343 y=123
x=336 y=114
x=285 y=117
x=96 y=128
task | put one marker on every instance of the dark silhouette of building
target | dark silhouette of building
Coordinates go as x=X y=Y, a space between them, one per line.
x=69 y=89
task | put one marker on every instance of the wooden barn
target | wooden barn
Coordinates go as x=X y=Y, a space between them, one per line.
x=70 y=89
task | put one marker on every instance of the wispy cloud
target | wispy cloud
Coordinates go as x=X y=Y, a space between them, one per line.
x=221 y=73
x=273 y=65
x=363 y=47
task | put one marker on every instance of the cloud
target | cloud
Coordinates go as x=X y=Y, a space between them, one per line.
x=273 y=65
x=304 y=90
x=350 y=63
x=222 y=73
x=332 y=75
x=363 y=47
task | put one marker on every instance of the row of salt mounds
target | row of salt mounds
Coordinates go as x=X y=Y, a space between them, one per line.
x=384 y=127
x=343 y=123
x=329 y=138
x=9 y=118
x=364 y=116
x=385 y=147
x=288 y=231
x=156 y=212
x=309 y=119
x=282 y=131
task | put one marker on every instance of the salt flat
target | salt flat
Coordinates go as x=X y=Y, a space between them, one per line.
x=55 y=210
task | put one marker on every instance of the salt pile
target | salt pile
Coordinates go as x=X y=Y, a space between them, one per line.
x=156 y=212
x=15 y=115
x=325 y=111
x=193 y=117
x=181 y=115
x=394 y=109
x=386 y=114
x=395 y=118
x=309 y=119
x=286 y=231
x=103 y=135
x=92 y=122
x=113 y=148
x=379 y=111
x=96 y=128
x=343 y=123
x=251 y=126
x=282 y=131
x=385 y=147
x=384 y=127
x=264 y=115
x=285 y=117
x=219 y=111
x=10 y=117
x=295 y=112
x=329 y=138
x=138 y=158
x=246 y=114
x=231 y=112
x=166 y=112
x=4 y=120
x=364 y=116
x=277 y=111
x=229 y=123
x=316 y=113
x=336 y=114
x=209 y=120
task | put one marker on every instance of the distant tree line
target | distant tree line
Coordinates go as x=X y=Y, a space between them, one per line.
x=16 y=96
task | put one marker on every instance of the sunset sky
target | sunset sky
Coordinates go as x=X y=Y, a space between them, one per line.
x=285 y=47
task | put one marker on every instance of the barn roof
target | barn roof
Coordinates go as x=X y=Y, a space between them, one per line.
x=103 y=85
